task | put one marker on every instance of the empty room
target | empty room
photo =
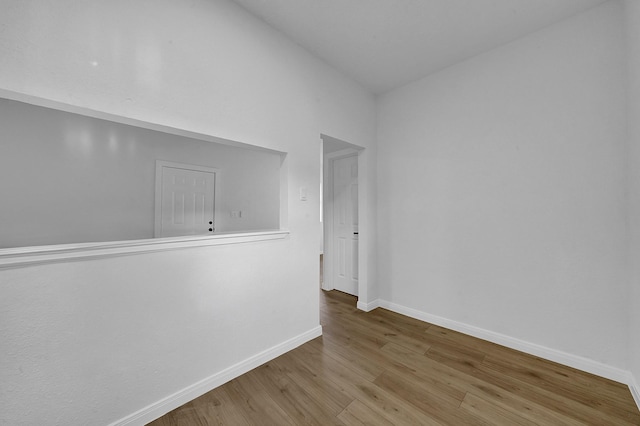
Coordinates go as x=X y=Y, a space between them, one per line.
x=284 y=212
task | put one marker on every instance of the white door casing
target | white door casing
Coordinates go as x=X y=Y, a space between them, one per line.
x=345 y=224
x=185 y=199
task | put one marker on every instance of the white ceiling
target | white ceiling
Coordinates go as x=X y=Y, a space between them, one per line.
x=387 y=43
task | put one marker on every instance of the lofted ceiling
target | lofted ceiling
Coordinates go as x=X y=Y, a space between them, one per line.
x=384 y=44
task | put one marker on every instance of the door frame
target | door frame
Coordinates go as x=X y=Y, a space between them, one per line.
x=328 y=227
x=160 y=164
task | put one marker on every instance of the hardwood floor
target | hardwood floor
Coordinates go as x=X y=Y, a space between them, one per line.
x=382 y=368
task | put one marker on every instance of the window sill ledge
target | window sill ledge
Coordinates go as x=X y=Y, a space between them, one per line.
x=38 y=255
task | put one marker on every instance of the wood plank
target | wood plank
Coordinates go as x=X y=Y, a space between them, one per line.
x=501 y=357
x=344 y=355
x=492 y=414
x=379 y=335
x=293 y=399
x=527 y=397
x=313 y=378
x=358 y=414
x=257 y=406
x=407 y=363
x=219 y=409
x=377 y=399
x=412 y=337
x=399 y=320
x=440 y=409
x=388 y=406
x=577 y=377
x=594 y=398
x=557 y=377
x=214 y=408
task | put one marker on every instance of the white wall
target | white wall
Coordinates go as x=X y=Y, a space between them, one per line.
x=82 y=179
x=632 y=13
x=92 y=342
x=502 y=191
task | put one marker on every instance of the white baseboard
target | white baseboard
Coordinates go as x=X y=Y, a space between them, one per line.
x=370 y=306
x=554 y=355
x=635 y=390
x=160 y=408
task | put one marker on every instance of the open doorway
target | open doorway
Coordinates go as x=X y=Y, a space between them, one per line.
x=340 y=249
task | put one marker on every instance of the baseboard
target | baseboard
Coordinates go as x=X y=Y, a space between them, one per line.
x=364 y=306
x=554 y=355
x=160 y=408
x=635 y=390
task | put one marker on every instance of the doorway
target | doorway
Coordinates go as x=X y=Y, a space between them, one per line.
x=340 y=217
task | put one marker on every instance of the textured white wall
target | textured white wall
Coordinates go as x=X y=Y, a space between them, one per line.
x=632 y=13
x=92 y=342
x=502 y=190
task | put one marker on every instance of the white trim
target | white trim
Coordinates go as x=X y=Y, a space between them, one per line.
x=160 y=408
x=635 y=389
x=370 y=306
x=554 y=355
x=28 y=256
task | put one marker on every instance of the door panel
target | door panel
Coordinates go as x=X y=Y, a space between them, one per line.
x=187 y=206
x=345 y=224
x=342 y=270
x=354 y=260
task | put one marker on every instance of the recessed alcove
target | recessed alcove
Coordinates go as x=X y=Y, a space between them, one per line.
x=76 y=185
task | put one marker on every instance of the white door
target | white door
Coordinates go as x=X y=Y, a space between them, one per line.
x=185 y=200
x=345 y=224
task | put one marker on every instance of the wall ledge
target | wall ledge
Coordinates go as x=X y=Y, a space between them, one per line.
x=38 y=255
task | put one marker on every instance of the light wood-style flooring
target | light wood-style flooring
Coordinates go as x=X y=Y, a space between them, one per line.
x=382 y=368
